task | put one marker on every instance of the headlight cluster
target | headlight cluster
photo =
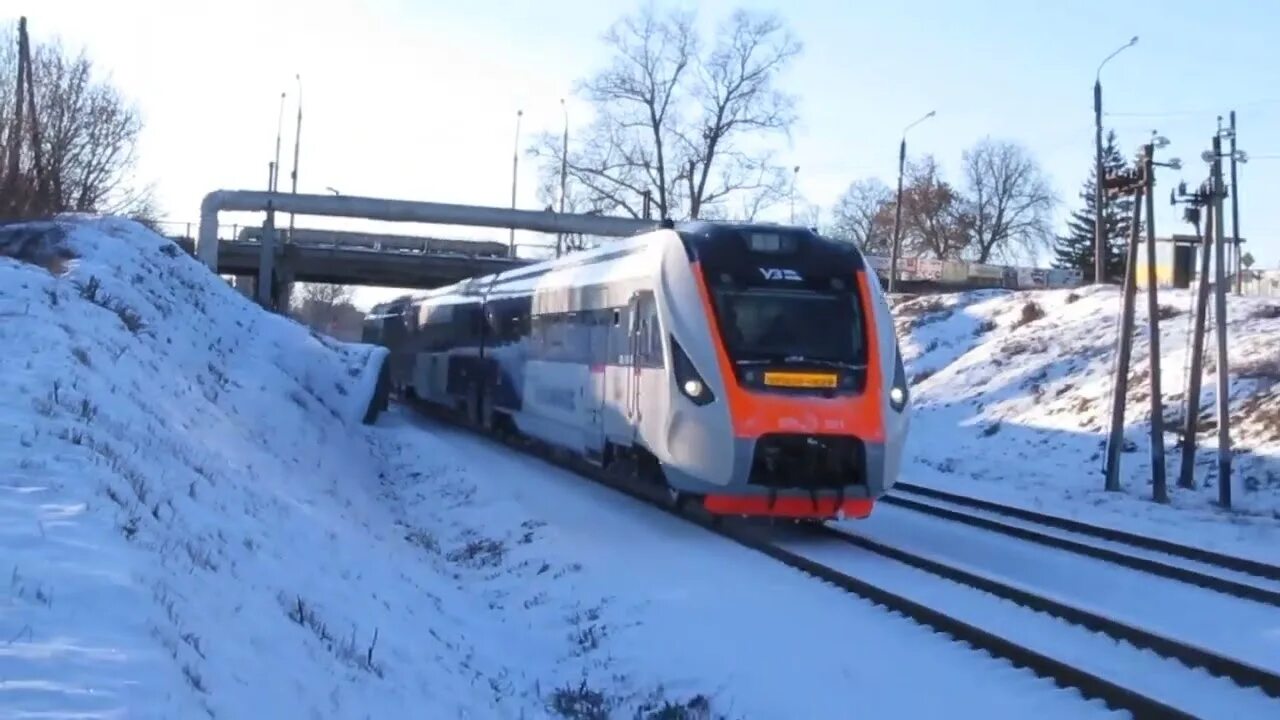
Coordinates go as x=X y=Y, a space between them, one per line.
x=898 y=391
x=687 y=377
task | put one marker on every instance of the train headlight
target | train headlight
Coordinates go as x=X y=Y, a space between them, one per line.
x=898 y=394
x=688 y=380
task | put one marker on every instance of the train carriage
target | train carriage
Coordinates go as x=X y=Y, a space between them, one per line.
x=751 y=367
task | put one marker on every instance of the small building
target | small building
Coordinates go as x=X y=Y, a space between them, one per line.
x=1178 y=260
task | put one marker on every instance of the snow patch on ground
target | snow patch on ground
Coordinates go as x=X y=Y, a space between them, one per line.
x=1012 y=394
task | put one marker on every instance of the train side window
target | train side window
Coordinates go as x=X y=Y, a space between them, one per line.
x=648 y=333
x=655 y=343
x=617 y=318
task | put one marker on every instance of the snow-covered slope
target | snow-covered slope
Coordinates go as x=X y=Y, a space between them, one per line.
x=1012 y=392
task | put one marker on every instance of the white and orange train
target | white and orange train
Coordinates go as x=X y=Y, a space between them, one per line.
x=753 y=369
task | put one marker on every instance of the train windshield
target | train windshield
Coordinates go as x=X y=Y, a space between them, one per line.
x=802 y=325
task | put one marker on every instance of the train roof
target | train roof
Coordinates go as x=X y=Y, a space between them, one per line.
x=701 y=239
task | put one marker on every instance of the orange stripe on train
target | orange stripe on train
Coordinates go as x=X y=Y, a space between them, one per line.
x=788 y=507
x=754 y=414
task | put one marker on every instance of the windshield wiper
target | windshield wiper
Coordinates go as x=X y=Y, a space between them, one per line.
x=803 y=359
x=828 y=363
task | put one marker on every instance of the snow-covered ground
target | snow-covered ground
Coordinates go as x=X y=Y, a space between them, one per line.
x=1014 y=407
x=194 y=521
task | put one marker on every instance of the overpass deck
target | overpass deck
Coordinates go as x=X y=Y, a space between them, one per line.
x=355 y=265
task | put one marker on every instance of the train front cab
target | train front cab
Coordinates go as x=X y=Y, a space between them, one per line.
x=800 y=369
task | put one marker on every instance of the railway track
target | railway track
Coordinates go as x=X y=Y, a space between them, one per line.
x=1090 y=684
x=1227 y=574
x=1217 y=664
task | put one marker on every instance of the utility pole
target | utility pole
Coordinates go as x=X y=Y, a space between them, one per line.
x=1235 y=206
x=1126 y=183
x=297 y=143
x=1220 y=319
x=1099 y=199
x=1191 y=401
x=897 y=205
x=1159 y=486
x=515 y=164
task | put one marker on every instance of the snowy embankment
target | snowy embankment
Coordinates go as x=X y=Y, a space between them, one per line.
x=194 y=522
x=1012 y=395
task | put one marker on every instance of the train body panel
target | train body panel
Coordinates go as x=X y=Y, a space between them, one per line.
x=755 y=366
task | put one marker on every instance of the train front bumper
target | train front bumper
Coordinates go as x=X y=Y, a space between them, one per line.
x=792 y=475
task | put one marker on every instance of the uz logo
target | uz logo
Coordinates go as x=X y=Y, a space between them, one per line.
x=780 y=274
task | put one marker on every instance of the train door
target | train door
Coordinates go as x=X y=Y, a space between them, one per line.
x=644 y=327
x=633 y=363
x=600 y=324
x=617 y=375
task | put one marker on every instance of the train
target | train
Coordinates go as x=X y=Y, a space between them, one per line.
x=750 y=369
x=386 y=243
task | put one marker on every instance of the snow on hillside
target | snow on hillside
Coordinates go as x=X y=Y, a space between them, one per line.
x=1012 y=395
x=195 y=522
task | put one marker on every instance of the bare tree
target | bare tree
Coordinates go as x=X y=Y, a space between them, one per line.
x=325 y=293
x=577 y=200
x=87 y=133
x=672 y=121
x=329 y=309
x=933 y=218
x=1009 y=202
x=859 y=215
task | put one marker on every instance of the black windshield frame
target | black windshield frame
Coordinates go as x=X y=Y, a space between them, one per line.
x=775 y=325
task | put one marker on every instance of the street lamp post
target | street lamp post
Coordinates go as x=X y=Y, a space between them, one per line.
x=564 y=172
x=795 y=172
x=897 y=209
x=1099 y=232
x=275 y=174
x=297 y=144
x=515 y=164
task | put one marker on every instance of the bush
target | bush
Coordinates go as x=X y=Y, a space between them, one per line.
x=1031 y=312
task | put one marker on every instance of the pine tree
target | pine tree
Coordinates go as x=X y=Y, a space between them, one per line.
x=1076 y=249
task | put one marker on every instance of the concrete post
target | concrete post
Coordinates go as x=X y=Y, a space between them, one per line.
x=266 y=262
x=284 y=281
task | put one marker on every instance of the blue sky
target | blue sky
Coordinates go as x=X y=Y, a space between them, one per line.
x=418 y=99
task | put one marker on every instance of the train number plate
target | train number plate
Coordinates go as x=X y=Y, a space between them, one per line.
x=800 y=380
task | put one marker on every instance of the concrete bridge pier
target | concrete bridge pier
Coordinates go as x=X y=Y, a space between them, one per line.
x=246 y=285
x=282 y=282
x=277 y=268
x=266 y=284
